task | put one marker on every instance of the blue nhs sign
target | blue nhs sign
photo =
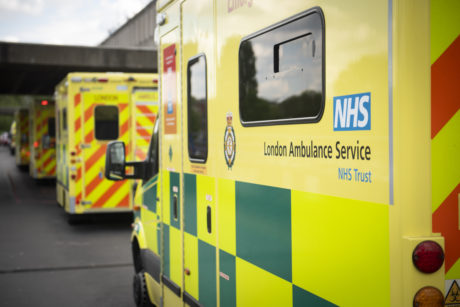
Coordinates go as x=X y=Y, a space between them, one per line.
x=352 y=112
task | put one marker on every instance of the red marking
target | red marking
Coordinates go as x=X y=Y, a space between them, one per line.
x=124 y=202
x=92 y=185
x=48 y=161
x=89 y=137
x=52 y=171
x=77 y=99
x=445 y=78
x=78 y=173
x=122 y=106
x=105 y=197
x=445 y=221
x=146 y=110
x=77 y=124
x=89 y=113
x=78 y=201
x=143 y=132
x=95 y=157
x=124 y=128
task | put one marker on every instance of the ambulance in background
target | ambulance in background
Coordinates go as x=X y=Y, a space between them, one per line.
x=13 y=137
x=293 y=162
x=42 y=139
x=21 y=140
x=93 y=109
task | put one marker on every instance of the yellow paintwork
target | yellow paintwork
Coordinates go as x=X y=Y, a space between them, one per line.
x=444 y=149
x=256 y=287
x=351 y=242
x=38 y=130
x=226 y=216
x=349 y=226
x=113 y=89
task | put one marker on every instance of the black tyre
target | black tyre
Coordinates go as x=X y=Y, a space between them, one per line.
x=141 y=295
x=74 y=219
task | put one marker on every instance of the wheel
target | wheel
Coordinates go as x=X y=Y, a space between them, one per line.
x=74 y=219
x=141 y=295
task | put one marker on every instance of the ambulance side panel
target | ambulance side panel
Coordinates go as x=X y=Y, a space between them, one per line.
x=445 y=141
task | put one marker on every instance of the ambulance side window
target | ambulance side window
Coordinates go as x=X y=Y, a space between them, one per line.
x=151 y=167
x=281 y=72
x=106 y=122
x=51 y=127
x=197 y=107
x=64 y=119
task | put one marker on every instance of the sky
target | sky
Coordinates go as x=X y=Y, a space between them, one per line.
x=64 y=22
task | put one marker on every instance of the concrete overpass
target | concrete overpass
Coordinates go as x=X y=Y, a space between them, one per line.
x=35 y=69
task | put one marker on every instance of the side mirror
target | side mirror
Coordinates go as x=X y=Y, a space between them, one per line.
x=115 y=161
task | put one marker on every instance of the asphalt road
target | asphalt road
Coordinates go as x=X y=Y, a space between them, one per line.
x=44 y=261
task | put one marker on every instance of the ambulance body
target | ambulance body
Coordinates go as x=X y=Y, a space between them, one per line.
x=13 y=137
x=22 y=150
x=93 y=109
x=291 y=165
x=42 y=139
x=445 y=137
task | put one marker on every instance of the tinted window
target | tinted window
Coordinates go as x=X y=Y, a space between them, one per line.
x=51 y=127
x=64 y=119
x=281 y=72
x=197 y=109
x=151 y=168
x=106 y=122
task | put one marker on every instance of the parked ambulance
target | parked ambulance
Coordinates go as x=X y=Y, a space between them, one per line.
x=42 y=139
x=21 y=138
x=293 y=162
x=93 y=109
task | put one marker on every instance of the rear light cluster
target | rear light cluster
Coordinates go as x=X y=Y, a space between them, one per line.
x=428 y=258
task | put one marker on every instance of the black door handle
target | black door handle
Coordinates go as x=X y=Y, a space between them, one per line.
x=208 y=218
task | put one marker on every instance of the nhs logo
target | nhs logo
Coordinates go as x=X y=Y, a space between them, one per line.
x=352 y=112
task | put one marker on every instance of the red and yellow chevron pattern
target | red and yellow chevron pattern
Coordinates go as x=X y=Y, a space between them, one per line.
x=22 y=138
x=145 y=102
x=92 y=189
x=445 y=129
x=43 y=158
x=146 y=116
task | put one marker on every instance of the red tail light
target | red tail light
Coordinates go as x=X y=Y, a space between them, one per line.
x=428 y=257
x=73 y=153
x=35 y=144
x=102 y=80
x=155 y=81
x=44 y=102
x=73 y=177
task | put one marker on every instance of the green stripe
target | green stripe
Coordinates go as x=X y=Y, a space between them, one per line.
x=149 y=196
x=263 y=227
x=166 y=261
x=227 y=279
x=207 y=274
x=303 y=298
x=190 y=204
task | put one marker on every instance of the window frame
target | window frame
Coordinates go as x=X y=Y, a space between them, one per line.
x=192 y=60
x=289 y=121
x=95 y=123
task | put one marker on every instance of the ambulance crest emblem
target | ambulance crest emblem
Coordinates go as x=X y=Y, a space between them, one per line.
x=229 y=142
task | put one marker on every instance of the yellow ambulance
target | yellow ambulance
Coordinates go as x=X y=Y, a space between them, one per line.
x=93 y=109
x=13 y=137
x=42 y=139
x=21 y=138
x=293 y=161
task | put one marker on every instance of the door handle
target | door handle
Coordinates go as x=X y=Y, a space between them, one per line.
x=208 y=219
